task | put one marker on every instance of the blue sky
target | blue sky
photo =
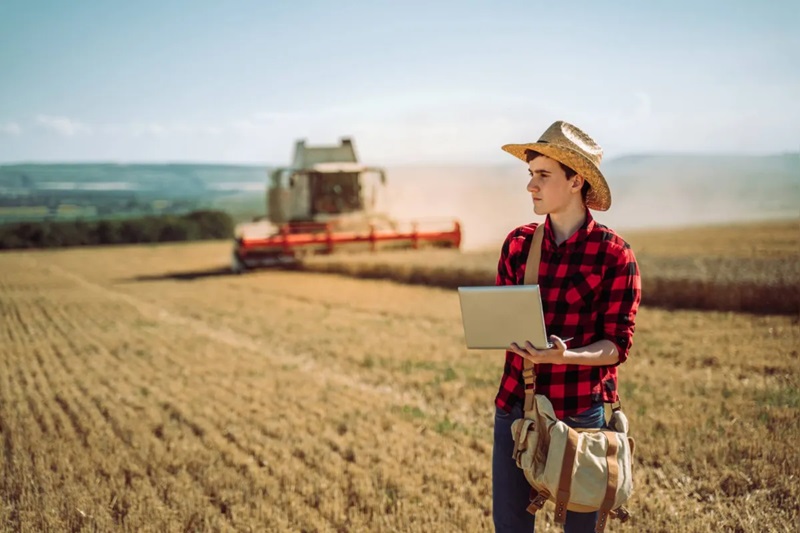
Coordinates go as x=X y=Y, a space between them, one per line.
x=434 y=82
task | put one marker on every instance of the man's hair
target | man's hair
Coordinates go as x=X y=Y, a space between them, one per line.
x=530 y=155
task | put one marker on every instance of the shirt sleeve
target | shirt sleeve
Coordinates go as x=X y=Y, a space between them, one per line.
x=623 y=292
x=505 y=269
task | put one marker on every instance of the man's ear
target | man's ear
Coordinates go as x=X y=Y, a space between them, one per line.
x=578 y=182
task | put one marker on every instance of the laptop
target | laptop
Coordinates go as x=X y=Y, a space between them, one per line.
x=494 y=317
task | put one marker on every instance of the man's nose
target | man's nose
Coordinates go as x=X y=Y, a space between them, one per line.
x=532 y=186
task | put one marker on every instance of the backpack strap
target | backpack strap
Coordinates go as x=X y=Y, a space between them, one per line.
x=613 y=478
x=532 y=278
x=534 y=257
x=565 y=481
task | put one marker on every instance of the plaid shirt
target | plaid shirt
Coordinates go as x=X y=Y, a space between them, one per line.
x=590 y=289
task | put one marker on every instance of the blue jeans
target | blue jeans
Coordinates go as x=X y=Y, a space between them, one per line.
x=510 y=489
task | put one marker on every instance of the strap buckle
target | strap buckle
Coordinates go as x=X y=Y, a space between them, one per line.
x=621 y=513
x=537 y=502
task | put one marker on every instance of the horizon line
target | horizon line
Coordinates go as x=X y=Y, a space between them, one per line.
x=200 y=162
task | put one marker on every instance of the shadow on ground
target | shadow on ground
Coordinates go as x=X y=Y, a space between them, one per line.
x=216 y=272
x=189 y=275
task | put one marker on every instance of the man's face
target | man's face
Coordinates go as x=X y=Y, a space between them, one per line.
x=550 y=189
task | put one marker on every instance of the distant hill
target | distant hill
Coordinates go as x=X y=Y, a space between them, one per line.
x=626 y=172
x=179 y=178
x=92 y=191
x=648 y=190
x=690 y=189
x=706 y=172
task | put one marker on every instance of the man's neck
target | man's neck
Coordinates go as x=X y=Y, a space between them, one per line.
x=567 y=222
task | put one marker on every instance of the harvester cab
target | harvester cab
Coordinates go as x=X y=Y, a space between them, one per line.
x=327 y=202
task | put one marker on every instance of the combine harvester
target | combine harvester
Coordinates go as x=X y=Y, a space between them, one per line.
x=327 y=202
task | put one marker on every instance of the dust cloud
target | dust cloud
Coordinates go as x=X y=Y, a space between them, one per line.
x=490 y=201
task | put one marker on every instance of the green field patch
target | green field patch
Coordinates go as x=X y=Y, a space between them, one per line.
x=780 y=397
x=408 y=412
x=26 y=211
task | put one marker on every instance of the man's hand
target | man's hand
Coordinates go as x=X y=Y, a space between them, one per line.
x=554 y=355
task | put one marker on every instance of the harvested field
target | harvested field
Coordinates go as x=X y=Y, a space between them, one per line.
x=752 y=268
x=144 y=389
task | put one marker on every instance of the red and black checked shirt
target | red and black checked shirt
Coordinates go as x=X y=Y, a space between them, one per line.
x=590 y=289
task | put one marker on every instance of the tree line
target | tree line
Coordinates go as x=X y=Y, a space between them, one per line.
x=198 y=225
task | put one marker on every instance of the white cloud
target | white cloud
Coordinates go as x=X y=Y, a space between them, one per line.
x=210 y=130
x=645 y=108
x=63 y=125
x=264 y=122
x=10 y=128
x=157 y=130
x=153 y=129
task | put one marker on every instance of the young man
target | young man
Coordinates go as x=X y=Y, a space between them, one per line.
x=590 y=288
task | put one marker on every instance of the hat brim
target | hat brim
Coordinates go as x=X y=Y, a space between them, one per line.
x=599 y=195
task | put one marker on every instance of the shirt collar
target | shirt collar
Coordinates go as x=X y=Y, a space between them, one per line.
x=575 y=239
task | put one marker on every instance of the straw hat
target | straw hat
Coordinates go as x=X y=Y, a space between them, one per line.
x=569 y=145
